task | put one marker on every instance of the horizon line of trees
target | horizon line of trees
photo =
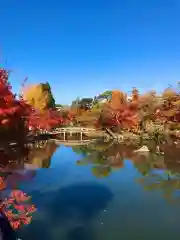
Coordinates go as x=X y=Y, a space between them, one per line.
x=145 y=112
x=36 y=109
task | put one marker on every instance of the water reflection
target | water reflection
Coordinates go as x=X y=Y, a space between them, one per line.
x=105 y=158
x=15 y=203
x=113 y=155
x=74 y=207
x=30 y=157
x=41 y=157
x=17 y=166
x=167 y=183
x=80 y=198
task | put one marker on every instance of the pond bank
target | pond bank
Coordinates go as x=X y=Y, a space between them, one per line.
x=105 y=135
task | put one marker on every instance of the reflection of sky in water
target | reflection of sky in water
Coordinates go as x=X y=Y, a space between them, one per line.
x=115 y=207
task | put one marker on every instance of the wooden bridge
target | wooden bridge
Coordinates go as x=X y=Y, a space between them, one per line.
x=73 y=142
x=72 y=130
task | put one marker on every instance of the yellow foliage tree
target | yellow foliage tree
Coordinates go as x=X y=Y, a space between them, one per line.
x=39 y=96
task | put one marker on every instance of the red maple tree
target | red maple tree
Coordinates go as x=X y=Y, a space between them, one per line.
x=122 y=117
x=118 y=112
x=12 y=111
x=17 y=117
x=16 y=206
x=45 y=120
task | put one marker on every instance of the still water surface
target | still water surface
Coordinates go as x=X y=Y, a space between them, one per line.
x=101 y=194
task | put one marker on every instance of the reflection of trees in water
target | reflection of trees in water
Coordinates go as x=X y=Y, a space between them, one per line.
x=101 y=171
x=14 y=158
x=103 y=155
x=168 y=180
x=167 y=183
x=172 y=158
x=41 y=157
x=105 y=161
x=145 y=162
x=83 y=150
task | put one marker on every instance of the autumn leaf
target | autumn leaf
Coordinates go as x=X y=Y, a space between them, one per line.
x=2 y=183
x=15 y=224
x=19 y=196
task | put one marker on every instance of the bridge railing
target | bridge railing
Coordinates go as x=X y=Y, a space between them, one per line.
x=74 y=130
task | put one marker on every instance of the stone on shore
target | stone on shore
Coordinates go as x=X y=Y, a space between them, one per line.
x=143 y=149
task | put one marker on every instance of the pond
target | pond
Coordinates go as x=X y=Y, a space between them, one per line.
x=101 y=191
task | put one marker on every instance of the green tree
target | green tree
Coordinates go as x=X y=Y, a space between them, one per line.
x=47 y=88
x=106 y=95
x=86 y=103
x=59 y=105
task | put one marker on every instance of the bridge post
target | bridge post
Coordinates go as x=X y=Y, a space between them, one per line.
x=81 y=135
x=64 y=136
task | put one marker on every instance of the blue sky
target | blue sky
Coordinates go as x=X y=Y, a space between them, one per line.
x=84 y=47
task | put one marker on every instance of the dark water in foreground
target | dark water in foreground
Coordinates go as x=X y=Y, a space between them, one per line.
x=101 y=193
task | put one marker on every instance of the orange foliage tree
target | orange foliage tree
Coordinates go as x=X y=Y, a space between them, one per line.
x=117 y=113
x=117 y=100
x=148 y=104
x=170 y=108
